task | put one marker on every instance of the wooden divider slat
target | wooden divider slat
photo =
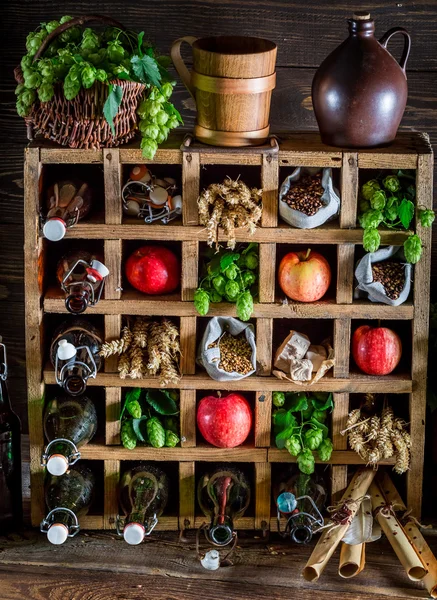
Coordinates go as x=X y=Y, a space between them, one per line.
x=345 y=273
x=349 y=190
x=188 y=418
x=113 y=325
x=190 y=187
x=339 y=418
x=262 y=495
x=264 y=348
x=263 y=419
x=113 y=409
x=187 y=494
x=188 y=345
x=111 y=478
x=267 y=272
x=190 y=267
x=113 y=261
x=112 y=178
x=342 y=337
x=269 y=184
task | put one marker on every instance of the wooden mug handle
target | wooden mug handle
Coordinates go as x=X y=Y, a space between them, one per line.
x=175 y=53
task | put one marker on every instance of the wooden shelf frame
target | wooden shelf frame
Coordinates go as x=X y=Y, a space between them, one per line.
x=411 y=150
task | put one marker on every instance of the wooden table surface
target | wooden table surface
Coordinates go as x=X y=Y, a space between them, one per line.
x=100 y=566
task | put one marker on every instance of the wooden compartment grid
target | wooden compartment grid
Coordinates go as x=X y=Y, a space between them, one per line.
x=411 y=150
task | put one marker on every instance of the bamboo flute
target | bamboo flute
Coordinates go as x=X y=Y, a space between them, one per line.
x=396 y=535
x=414 y=535
x=352 y=560
x=332 y=536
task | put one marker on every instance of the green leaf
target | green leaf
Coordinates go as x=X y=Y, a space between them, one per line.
x=406 y=212
x=321 y=426
x=282 y=419
x=323 y=403
x=133 y=394
x=112 y=104
x=136 y=424
x=283 y=436
x=146 y=69
x=227 y=259
x=297 y=401
x=140 y=43
x=161 y=402
x=214 y=266
x=251 y=246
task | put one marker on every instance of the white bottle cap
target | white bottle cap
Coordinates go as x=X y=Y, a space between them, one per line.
x=99 y=267
x=134 y=533
x=57 y=465
x=211 y=560
x=66 y=351
x=176 y=203
x=158 y=195
x=132 y=208
x=54 y=229
x=57 y=533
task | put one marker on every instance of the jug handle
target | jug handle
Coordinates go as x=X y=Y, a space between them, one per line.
x=407 y=43
x=175 y=53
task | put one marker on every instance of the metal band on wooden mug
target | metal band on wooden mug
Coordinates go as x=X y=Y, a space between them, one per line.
x=226 y=85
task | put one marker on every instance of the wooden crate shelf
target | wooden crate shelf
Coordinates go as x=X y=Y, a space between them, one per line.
x=109 y=227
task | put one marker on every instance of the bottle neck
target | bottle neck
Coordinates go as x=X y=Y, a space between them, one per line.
x=221 y=531
x=78 y=299
x=364 y=28
x=5 y=403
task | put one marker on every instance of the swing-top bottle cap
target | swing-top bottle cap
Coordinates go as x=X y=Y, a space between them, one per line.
x=57 y=465
x=211 y=560
x=57 y=533
x=99 y=267
x=54 y=229
x=134 y=533
x=66 y=351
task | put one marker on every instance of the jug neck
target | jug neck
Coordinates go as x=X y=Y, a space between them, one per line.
x=361 y=25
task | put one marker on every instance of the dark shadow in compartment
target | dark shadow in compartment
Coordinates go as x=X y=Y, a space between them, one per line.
x=171 y=469
x=202 y=323
x=359 y=254
x=404 y=331
x=86 y=173
x=96 y=395
x=131 y=293
x=96 y=466
x=249 y=396
x=159 y=171
x=52 y=286
x=328 y=251
x=248 y=469
x=249 y=174
x=286 y=171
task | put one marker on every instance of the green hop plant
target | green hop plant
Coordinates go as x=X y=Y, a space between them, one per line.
x=116 y=52
x=413 y=248
x=320 y=415
x=252 y=261
x=370 y=188
x=371 y=240
x=171 y=439
x=391 y=183
x=19 y=89
x=101 y=75
x=201 y=301
x=215 y=297
x=51 y=26
x=219 y=284
x=313 y=438
x=426 y=217
x=364 y=205
x=149 y=147
x=278 y=399
x=134 y=409
x=28 y=97
x=33 y=81
x=26 y=62
x=128 y=437
x=155 y=432
x=22 y=109
x=161 y=118
x=325 y=450
x=232 y=271
x=171 y=424
x=167 y=90
x=391 y=209
x=371 y=219
x=152 y=131
x=305 y=461
x=248 y=278
x=293 y=445
x=232 y=290
x=377 y=201
x=88 y=76
x=244 y=306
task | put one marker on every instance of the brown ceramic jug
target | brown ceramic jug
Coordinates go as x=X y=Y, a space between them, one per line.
x=359 y=92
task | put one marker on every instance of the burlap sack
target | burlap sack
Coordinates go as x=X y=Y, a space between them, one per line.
x=209 y=358
x=330 y=199
x=374 y=291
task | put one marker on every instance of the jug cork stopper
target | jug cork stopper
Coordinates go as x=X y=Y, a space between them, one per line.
x=361 y=15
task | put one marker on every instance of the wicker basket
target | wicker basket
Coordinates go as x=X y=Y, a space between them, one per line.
x=79 y=123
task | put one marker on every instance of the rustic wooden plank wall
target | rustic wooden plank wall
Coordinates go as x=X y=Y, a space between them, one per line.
x=305 y=33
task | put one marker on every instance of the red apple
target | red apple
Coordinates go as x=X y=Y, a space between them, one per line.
x=376 y=350
x=224 y=422
x=153 y=270
x=304 y=276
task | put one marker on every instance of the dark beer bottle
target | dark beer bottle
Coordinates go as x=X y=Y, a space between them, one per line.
x=11 y=507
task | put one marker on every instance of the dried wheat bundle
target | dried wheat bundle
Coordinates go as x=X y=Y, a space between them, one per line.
x=229 y=205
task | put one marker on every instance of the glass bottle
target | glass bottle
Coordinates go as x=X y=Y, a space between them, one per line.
x=69 y=423
x=74 y=354
x=67 y=202
x=82 y=278
x=223 y=496
x=11 y=510
x=143 y=496
x=67 y=498
x=299 y=498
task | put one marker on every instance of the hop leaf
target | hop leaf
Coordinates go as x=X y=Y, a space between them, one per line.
x=112 y=104
x=406 y=212
x=371 y=240
x=305 y=461
x=146 y=69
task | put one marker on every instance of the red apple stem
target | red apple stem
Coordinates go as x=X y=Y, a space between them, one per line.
x=219 y=394
x=307 y=254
